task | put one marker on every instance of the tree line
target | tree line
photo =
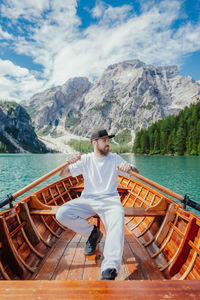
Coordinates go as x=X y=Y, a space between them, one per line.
x=178 y=134
x=86 y=147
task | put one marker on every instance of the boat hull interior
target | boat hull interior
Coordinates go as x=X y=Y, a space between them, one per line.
x=162 y=240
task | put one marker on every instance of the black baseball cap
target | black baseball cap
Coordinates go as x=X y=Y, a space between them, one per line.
x=102 y=133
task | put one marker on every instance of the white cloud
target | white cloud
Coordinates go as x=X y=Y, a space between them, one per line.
x=15 y=82
x=109 y=15
x=98 y=10
x=10 y=69
x=55 y=41
x=14 y=9
x=5 y=35
x=148 y=37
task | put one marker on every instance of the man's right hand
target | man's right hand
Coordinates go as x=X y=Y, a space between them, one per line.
x=65 y=172
x=73 y=158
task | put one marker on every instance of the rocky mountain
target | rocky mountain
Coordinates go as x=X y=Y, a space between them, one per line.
x=130 y=95
x=16 y=131
x=54 y=106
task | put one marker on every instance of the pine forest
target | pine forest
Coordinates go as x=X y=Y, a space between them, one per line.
x=173 y=135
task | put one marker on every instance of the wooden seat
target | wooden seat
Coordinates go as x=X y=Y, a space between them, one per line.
x=143 y=212
x=38 y=208
x=51 y=211
x=128 y=211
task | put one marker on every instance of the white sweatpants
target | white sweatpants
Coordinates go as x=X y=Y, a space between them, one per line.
x=74 y=213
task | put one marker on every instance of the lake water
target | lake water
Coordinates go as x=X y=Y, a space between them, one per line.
x=180 y=174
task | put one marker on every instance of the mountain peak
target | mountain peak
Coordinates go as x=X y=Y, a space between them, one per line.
x=129 y=94
x=135 y=63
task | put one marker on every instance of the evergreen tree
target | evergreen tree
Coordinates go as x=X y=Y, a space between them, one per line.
x=180 y=141
x=180 y=134
x=170 y=142
x=198 y=148
x=163 y=142
x=156 y=147
x=136 y=146
x=144 y=142
x=194 y=142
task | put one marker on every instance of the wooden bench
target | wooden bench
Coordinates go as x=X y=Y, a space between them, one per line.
x=38 y=208
x=128 y=212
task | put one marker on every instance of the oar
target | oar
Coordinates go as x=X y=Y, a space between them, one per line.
x=12 y=197
x=184 y=199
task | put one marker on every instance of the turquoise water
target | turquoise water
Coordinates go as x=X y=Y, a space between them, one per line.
x=180 y=174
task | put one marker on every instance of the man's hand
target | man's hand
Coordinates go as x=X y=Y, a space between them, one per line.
x=126 y=168
x=65 y=172
x=73 y=158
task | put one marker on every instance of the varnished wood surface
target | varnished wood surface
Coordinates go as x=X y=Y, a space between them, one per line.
x=51 y=290
x=66 y=261
x=44 y=249
x=128 y=211
x=142 y=211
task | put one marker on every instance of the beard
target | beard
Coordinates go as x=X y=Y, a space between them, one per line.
x=104 y=151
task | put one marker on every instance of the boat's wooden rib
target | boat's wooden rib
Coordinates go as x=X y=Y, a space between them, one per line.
x=9 y=255
x=162 y=241
x=30 y=229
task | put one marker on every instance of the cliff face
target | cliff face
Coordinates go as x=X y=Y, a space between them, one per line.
x=54 y=106
x=16 y=131
x=129 y=95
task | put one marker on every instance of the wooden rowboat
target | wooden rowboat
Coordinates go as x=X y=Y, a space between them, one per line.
x=40 y=259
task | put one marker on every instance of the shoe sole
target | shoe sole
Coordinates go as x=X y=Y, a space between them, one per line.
x=98 y=241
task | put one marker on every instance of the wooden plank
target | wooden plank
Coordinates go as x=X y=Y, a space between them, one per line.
x=92 y=269
x=148 y=266
x=48 y=266
x=123 y=273
x=49 y=212
x=51 y=290
x=64 y=265
x=143 y=211
x=77 y=267
x=133 y=267
x=128 y=211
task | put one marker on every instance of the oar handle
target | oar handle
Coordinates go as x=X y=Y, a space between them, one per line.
x=43 y=178
x=156 y=185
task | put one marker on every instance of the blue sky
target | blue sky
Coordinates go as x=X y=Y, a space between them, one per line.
x=45 y=42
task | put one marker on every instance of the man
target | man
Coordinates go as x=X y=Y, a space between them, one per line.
x=100 y=170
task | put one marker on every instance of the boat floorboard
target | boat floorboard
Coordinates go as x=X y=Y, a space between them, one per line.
x=66 y=261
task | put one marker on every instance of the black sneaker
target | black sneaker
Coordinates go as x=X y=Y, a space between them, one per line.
x=94 y=238
x=109 y=274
